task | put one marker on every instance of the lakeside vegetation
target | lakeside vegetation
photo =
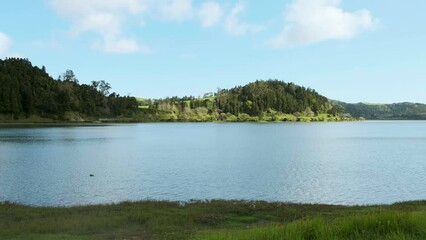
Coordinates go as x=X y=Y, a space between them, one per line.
x=260 y=101
x=214 y=220
x=29 y=94
x=395 y=111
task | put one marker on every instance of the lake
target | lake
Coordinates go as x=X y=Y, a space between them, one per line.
x=373 y=162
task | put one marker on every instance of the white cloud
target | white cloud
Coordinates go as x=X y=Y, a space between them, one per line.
x=5 y=44
x=177 y=10
x=108 y=19
x=121 y=46
x=310 y=21
x=234 y=26
x=105 y=17
x=210 y=14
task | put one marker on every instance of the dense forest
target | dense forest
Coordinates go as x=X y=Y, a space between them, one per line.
x=395 y=111
x=27 y=91
x=270 y=100
x=262 y=96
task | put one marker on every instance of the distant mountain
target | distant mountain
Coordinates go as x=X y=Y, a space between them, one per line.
x=395 y=111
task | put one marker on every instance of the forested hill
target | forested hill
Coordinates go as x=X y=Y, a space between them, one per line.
x=395 y=111
x=270 y=100
x=27 y=91
x=272 y=95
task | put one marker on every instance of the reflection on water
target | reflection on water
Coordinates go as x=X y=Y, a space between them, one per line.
x=336 y=163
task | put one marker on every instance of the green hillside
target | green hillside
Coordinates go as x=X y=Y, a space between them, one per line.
x=396 y=111
x=27 y=91
x=262 y=100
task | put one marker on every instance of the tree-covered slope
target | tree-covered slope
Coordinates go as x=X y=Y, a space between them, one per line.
x=27 y=90
x=395 y=111
x=261 y=96
x=270 y=100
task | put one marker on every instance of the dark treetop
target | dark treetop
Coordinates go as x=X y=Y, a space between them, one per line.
x=27 y=90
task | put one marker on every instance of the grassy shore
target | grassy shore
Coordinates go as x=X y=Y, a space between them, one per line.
x=146 y=115
x=214 y=220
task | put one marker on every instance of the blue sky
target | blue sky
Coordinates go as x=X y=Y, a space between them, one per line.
x=354 y=51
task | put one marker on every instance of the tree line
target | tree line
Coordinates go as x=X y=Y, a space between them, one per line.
x=27 y=90
x=394 y=111
x=262 y=100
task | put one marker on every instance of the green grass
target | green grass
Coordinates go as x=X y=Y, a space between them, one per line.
x=387 y=225
x=211 y=99
x=139 y=99
x=143 y=107
x=214 y=220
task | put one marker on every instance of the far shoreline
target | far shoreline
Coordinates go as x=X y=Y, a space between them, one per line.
x=108 y=123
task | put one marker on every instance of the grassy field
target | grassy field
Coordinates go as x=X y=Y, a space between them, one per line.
x=386 y=225
x=214 y=220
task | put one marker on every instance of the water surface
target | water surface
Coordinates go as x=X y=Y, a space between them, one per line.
x=333 y=163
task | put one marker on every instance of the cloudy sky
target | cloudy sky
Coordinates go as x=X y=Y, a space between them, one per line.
x=364 y=50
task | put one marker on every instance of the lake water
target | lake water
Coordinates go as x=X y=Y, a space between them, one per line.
x=333 y=163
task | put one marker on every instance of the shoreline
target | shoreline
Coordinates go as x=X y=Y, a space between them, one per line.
x=134 y=121
x=172 y=117
x=214 y=219
x=177 y=121
x=109 y=123
x=208 y=201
